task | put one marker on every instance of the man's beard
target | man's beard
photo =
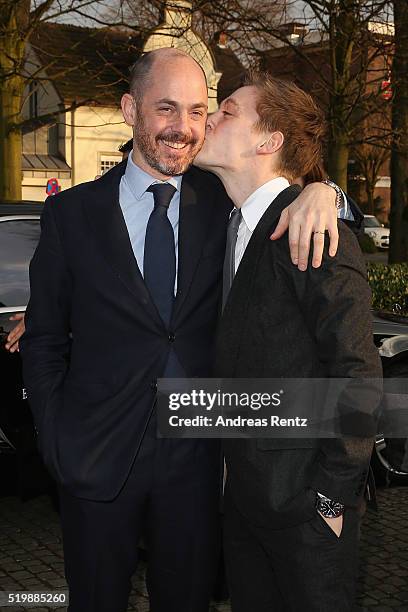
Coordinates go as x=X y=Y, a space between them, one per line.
x=148 y=147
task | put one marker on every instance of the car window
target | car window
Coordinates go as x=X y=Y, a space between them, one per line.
x=18 y=240
x=371 y=222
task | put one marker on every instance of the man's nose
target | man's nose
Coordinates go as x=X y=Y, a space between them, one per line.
x=181 y=122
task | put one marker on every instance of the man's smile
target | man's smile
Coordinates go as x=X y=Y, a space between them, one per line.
x=175 y=145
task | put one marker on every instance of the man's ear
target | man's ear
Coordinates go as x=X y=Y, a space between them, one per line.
x=128 y=105
x=272 y=144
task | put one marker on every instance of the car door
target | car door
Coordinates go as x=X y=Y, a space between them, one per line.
x=19 y=235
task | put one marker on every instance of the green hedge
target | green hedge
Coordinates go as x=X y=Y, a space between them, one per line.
x=389 y=284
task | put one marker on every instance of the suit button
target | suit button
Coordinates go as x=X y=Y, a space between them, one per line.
x=153 y=385
x=171 y=337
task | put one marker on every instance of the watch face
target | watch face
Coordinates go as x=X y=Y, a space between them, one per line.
x=329 y=508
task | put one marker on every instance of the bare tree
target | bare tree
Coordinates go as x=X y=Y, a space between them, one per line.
x=20 y=29
x=14 y=24
x=399 y=157
x=340 y=55
x=238 y=18
x=371 y=145
x=334 y=50
x=22 y=33
x=370 y=159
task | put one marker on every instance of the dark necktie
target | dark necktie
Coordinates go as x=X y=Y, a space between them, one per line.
x=229 y=261
x=159 y=261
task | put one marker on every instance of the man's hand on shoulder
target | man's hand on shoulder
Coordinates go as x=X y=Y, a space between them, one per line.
x=308 y=218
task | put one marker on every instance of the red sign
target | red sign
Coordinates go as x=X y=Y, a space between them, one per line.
x=53 y=187
x=386 y=90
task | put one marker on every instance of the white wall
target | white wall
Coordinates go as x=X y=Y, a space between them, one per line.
x=47 y=96
x=98 y=131
x=34 y=188
x=91 y=133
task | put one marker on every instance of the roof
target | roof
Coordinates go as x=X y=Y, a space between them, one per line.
x=86 y=64
x=92 y=64
x=233 y=72
x=44 y=162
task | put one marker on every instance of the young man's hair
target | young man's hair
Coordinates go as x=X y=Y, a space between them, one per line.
x=284 y=107
x=126 y=147
x=316 y=174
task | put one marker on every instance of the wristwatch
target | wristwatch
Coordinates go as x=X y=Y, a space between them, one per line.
x=327 y=507
x=339 y=192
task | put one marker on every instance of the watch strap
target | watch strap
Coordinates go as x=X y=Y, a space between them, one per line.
x=338 y=190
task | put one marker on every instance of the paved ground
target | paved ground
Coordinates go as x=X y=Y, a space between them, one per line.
x=31 y=555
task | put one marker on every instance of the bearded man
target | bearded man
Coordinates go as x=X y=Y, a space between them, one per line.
x=126 y=288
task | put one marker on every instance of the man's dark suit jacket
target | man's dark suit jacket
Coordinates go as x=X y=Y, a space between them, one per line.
x=280 y=322
x=92 y=394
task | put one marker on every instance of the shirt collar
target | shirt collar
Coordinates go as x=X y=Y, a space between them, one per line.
x=256 y=204
x=139 y=180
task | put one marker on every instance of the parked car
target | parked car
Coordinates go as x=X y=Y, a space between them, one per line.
x=21 y=469
x=19 y=459
x=376 y=230
x=390 y=459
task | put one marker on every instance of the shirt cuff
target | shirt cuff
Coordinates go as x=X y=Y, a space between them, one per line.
x=345 y=211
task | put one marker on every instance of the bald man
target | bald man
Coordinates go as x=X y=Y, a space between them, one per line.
x=125 y=289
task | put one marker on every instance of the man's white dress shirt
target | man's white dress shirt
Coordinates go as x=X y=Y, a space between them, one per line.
x=254 y=207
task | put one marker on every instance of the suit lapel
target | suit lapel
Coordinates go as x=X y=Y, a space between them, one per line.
x=106 y=219
x=240 y=292
x=267 y=224
x=195 y=217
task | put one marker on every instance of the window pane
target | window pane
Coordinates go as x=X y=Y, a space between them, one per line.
x=109 y=161
x=18 y=240
x=371 y=222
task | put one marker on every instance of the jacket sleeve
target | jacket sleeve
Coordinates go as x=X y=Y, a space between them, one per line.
x=45 y=344
x=336 y=300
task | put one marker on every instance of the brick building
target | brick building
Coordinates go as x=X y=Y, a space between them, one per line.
x=306 y=60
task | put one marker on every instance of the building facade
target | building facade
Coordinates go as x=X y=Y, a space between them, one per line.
x=73 y=107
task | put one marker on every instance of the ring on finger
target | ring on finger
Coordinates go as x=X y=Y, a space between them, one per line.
x=317 y=232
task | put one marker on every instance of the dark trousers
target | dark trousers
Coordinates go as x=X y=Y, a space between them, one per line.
x=172 y=498
x=305 y=567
